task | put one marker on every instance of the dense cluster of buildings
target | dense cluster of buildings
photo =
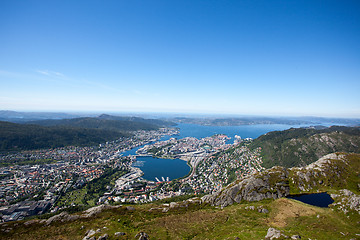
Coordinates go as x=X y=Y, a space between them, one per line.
x=216 y=171
x=27 y=190
x=182 y=148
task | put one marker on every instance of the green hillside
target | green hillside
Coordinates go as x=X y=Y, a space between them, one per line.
x=86 y=131
x=301 y=146
x=106 y=122
x=15 y=137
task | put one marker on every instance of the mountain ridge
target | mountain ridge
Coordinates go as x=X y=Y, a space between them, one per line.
x=85 y=131
x=302 y=146
x=333 y=171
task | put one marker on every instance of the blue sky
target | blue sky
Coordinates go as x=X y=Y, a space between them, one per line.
x=236 y=57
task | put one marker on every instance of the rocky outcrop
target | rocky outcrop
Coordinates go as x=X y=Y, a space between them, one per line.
x=95 y=210
x=346 y=201
x=63 y=217
x=332 y=170
x=271 y=183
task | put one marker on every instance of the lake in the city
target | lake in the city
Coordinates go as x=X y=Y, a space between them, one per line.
x=176 y=168
x=162 y=168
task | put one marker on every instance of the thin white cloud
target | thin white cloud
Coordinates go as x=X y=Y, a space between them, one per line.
x=43 y=72
x=50 y=73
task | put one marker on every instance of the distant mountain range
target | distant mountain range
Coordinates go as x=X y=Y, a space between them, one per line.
x=13 y=116
x=236 y=121
x=214 y=120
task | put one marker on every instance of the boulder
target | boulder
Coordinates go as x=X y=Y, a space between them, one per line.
x=263 y=210
x=273 y=233
x=173 y=204
x=120 y=234
x=89 y=233
x=64 y=216
x=95 y=210
x=104 y=237
x=142 y=236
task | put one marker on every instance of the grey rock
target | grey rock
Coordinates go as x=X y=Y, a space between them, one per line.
x=348 y=200
x=173 y=204
x=89 y=233
x=64 y=216
x=142 y=236
x=104 y=237
x=263 y=210
x=295 y=237
x=120 y=234
x=254 y=187
x=89 y=238
x=249 y=208
x=95 y=210
x=273 y=233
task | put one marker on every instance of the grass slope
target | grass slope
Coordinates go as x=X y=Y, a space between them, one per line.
x=200 y=222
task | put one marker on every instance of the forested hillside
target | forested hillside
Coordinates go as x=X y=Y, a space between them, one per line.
x=107 y=122
x=15 y=137
x=85 y=131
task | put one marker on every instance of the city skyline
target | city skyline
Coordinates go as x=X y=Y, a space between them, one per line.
x=299 y=58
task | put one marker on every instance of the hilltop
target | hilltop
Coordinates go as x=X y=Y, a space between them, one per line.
x=302 y=146
x=331 y=172
x=107 y=122
x=196 y=219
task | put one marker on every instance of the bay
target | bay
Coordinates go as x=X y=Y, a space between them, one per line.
x=176 y=168
x=244 y=131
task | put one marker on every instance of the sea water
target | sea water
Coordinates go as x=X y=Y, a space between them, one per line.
x=176 y=168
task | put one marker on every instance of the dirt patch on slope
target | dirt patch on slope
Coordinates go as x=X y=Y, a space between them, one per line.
x=285 y=209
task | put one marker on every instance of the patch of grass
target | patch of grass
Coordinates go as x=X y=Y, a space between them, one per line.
x=201 y=221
